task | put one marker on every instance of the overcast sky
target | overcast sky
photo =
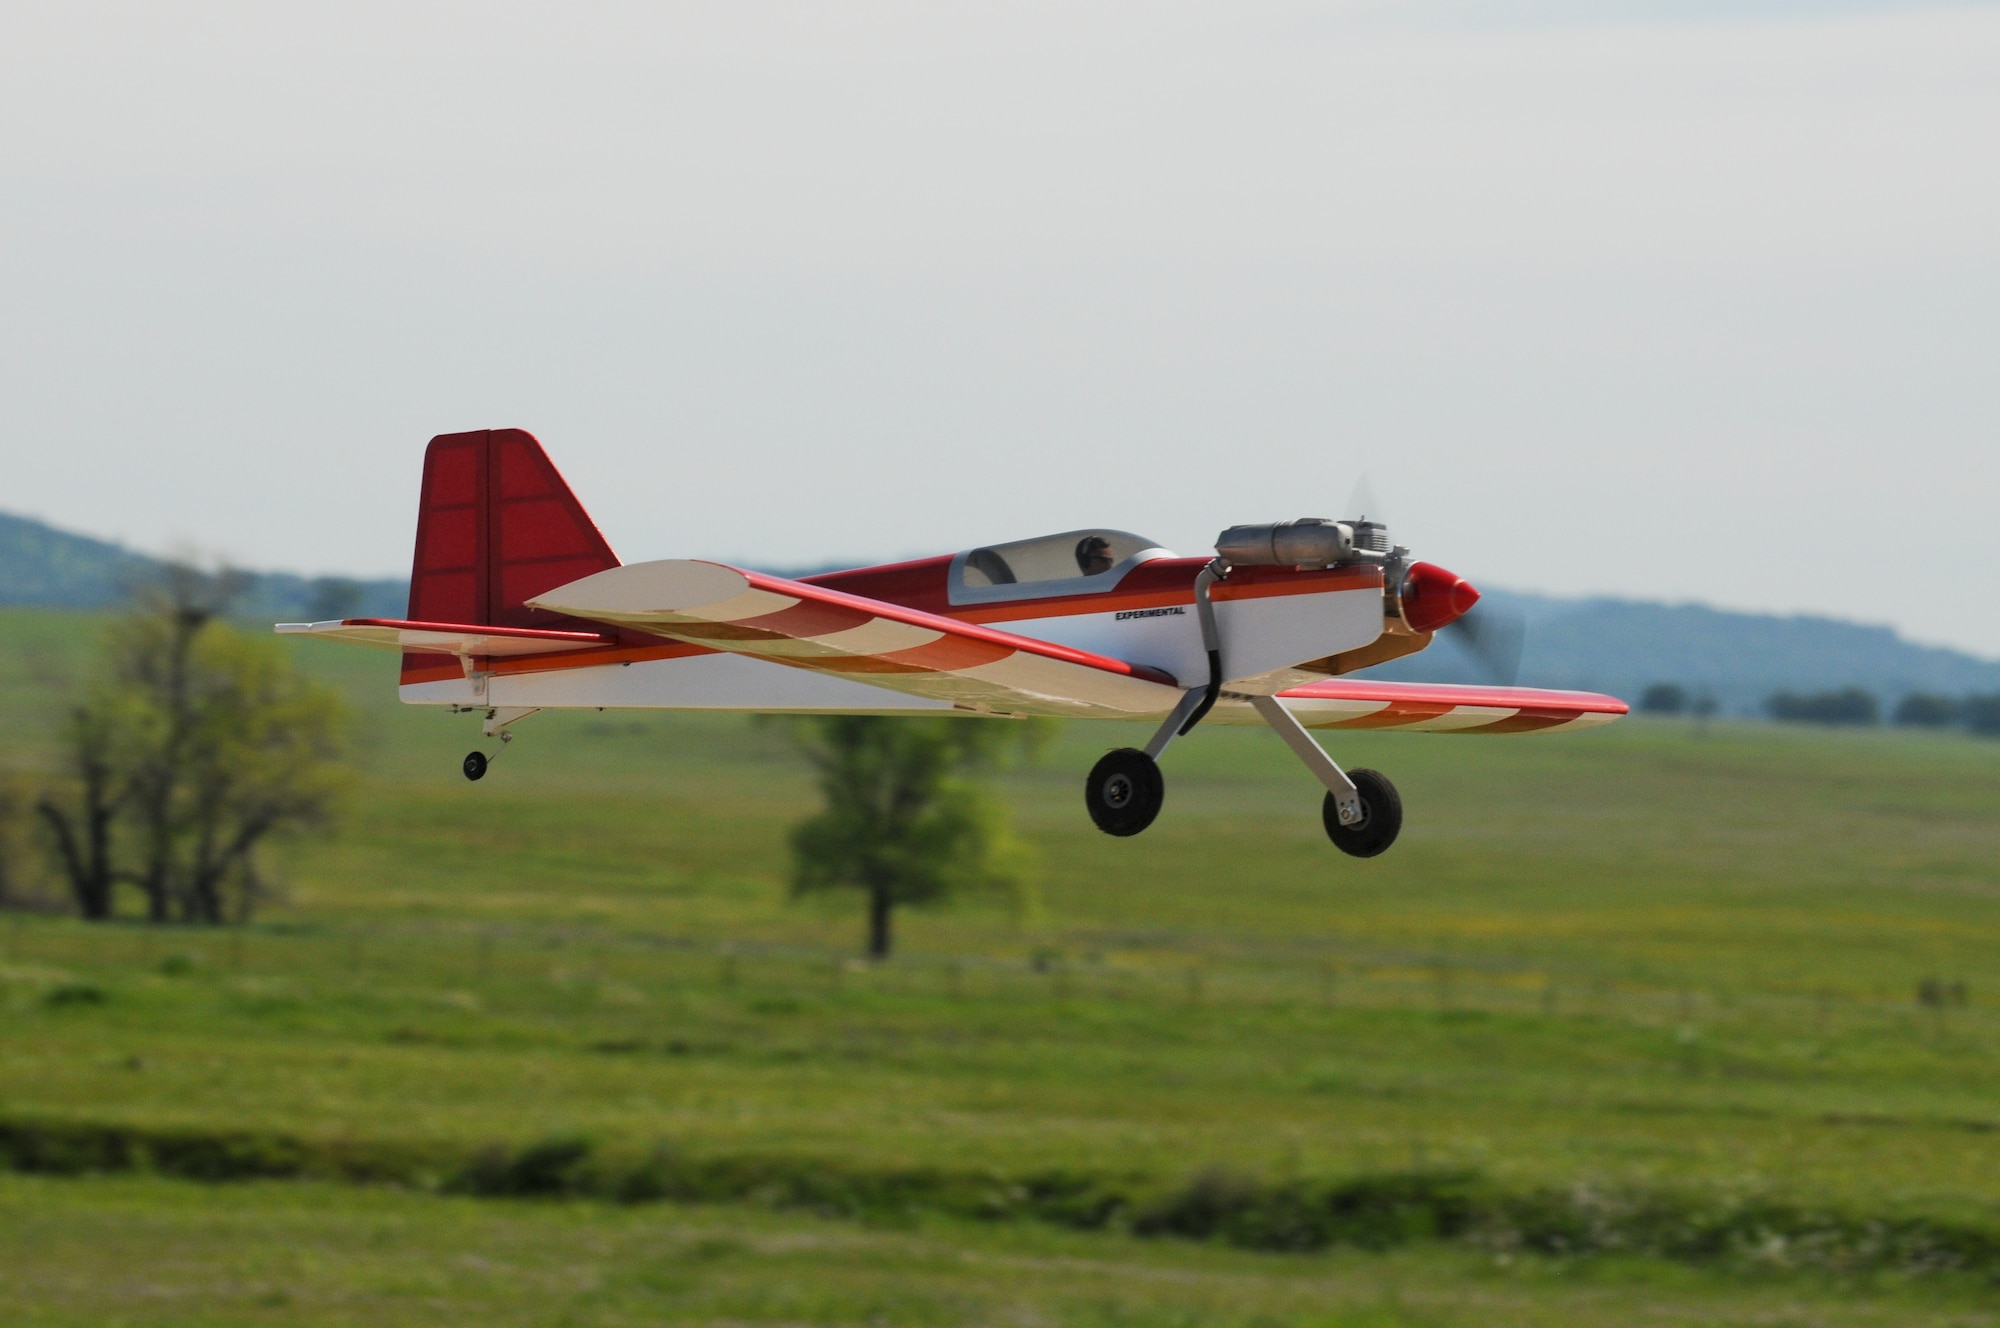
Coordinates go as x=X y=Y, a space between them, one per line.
x=1688 y=301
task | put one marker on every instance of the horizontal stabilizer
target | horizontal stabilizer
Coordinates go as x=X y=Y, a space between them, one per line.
x=461 y=639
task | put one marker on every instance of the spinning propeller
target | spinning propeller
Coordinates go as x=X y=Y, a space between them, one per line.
x=1494 y=638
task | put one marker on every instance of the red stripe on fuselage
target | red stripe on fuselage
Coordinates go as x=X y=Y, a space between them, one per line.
x=1156 y=584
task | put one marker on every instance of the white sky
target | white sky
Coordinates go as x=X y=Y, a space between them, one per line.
x=1663 y=300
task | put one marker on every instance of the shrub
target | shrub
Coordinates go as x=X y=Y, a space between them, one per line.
x=1370 y=1212
x=74 y=993
x=1847 y=705
x=1664 y=698
x=1380 y=1210
x=1982 y=714
x=551 y=1166
x=1926 y=710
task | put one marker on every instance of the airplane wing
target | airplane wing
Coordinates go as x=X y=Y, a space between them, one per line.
x=865 y=640
x=1358 y=703
x=447 y=638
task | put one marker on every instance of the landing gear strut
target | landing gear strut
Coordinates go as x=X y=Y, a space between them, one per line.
x=1125 y=789
x=1362 y=812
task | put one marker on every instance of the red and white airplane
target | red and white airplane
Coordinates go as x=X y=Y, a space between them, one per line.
x=517 y=604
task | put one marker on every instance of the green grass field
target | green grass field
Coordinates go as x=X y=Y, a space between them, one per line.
x=1649 y=957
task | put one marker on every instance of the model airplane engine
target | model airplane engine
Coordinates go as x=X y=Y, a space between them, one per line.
x=1308 y=542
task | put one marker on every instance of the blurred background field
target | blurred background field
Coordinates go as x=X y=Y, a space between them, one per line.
x=1729 y=957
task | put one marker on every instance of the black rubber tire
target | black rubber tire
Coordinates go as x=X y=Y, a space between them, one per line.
x=1381 y=816
x=1124 y=792
x=474 y=765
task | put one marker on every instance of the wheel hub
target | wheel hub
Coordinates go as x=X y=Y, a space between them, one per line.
x=1118 y=791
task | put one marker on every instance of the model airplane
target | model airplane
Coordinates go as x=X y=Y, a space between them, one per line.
x=517 y=604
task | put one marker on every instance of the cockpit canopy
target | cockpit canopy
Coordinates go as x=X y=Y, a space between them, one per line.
x=1075 y=562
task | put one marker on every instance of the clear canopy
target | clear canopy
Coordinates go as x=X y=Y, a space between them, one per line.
x=1051 y=564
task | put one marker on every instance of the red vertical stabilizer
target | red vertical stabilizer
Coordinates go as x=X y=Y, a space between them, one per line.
x=496 y=526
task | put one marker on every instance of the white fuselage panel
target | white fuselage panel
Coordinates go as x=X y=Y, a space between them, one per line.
x=688 y=682
x=1262 y=638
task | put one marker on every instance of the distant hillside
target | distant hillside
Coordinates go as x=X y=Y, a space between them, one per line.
x=1609 y=645
x=1623 y=646
x=40 y=565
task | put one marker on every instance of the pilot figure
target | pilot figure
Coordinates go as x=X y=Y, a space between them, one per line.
x=1093 y=554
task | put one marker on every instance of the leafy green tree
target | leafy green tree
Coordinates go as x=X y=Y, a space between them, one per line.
x=904 y=822
x=194 y=746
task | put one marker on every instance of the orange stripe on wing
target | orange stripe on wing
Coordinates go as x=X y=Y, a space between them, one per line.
x=1527 y=721
x=808 y=618
x=721 y=631
x=949 y=654
x=856 y=664
x=1395 y=715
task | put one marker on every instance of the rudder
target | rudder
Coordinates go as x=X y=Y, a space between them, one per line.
x=496 y=526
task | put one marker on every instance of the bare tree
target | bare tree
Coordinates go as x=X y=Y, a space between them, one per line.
x=196 y=745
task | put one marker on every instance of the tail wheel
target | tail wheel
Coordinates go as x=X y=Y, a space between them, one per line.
x=1381 y=816
x=474 y=765
x=1124 y=792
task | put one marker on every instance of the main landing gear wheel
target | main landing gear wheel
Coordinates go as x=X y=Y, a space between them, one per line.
x=474 y=765
x=1381 y=816
x=1124 y=792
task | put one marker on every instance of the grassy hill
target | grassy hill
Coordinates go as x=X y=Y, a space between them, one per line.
x=1649 y=961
